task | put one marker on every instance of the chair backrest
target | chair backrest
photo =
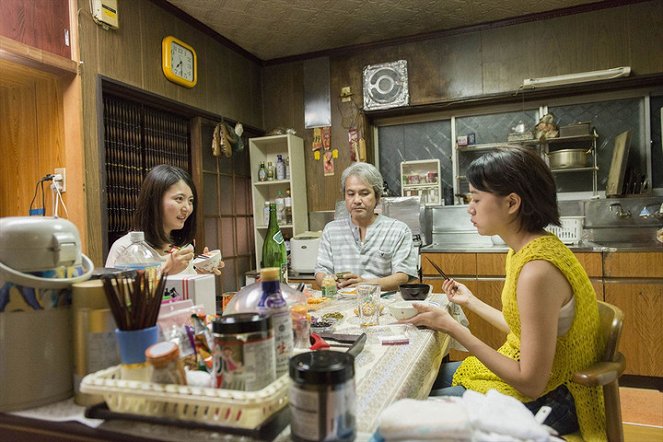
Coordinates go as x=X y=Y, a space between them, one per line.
x=611 y=319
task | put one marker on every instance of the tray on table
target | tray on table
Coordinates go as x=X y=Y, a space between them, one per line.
x=243 y=412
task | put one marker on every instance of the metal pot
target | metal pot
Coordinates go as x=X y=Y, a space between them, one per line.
x=568 y=158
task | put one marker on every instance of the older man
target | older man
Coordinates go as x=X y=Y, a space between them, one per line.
x=365 y=246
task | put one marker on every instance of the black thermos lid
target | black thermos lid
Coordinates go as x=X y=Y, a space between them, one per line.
x=322 y=367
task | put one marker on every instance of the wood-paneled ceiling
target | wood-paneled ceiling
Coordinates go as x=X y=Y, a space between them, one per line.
x=276 y=29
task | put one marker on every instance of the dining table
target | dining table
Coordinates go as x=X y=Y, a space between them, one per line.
x=397 y=361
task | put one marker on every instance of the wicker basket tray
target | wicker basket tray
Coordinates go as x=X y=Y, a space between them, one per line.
x=211 y=406
x=571 y=230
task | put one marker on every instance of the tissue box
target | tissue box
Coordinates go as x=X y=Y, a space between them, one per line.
x=199 y=288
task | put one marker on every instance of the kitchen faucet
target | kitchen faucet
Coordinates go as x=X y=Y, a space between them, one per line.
x=619 y=211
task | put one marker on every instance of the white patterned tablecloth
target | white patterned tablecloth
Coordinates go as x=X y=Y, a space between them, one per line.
x=386 y=373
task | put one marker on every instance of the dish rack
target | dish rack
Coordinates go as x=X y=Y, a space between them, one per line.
x=211 y=406
x=571 y=230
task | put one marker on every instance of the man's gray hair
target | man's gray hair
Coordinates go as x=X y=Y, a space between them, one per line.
x=367 y=172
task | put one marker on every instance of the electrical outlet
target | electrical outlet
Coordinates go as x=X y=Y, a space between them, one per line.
x=63 y=182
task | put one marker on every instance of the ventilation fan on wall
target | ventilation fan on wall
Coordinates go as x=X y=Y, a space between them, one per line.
x=385 y=85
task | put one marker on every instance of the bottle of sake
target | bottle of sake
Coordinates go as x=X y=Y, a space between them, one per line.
x=274 y=253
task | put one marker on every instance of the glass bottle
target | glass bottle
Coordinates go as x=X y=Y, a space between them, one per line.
x=270 y=171
x=280 y=208
x=287 y=168
x=274 y=253
x=280 y=168
x=139 y=256
x=288 y=207
x=265 y=214
x=272 y=303
x=262 y=172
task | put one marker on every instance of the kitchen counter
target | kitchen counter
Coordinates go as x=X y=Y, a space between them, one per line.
x=585 y=246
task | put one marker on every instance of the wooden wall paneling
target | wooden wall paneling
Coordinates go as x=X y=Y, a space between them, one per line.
x=642 y=335
x=647 y=37
x=459 y=71
x=452 y=264
x=509 y=51
x=155 y=24
x=50 y=135
x=633 y=264
x=592 y=262
x=18 y=141
x=491 y=264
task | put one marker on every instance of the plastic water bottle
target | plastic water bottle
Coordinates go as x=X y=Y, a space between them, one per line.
x=273 y=304
x=140 y=256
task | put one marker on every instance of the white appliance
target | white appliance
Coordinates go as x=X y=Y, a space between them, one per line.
x=304 y=251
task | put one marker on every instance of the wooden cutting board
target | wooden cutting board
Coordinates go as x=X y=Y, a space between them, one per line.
x=618 y=165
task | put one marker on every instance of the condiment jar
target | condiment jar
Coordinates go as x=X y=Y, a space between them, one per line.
x=164 y=357
x=329 y=286
x=322 y=397
x=244 y=351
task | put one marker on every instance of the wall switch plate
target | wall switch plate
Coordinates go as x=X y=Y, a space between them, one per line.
x=63 y=182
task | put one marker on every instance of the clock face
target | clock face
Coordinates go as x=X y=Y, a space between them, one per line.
x=181 y=61
x=178 y=61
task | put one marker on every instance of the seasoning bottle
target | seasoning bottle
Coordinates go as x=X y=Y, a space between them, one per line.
x=164 y=357
x=270 y=171
x=329 y=286
x=243 y=352
x=262 y=172
x=322 y=397
x=272 y=303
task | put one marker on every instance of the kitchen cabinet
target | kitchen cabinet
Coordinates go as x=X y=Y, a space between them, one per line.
x=422 y=178
x=42 y=25
x=634 y=283
x=266 y=149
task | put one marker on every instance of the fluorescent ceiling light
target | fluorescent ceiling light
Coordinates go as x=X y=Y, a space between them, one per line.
x=580 y=77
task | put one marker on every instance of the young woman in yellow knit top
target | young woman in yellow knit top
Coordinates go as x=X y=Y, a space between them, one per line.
x=549 y=310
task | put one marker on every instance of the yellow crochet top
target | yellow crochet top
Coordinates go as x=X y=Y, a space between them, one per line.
x=580 y=347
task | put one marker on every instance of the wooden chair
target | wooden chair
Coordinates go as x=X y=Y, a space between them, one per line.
x=607 y=371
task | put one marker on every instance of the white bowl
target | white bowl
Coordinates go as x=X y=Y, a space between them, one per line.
x=208 y=261
x=405 y=309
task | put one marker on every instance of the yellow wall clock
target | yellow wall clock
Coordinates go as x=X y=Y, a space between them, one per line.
x=179 y=62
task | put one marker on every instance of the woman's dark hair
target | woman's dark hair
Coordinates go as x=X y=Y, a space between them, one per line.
x=522 y=171
x=148 y=216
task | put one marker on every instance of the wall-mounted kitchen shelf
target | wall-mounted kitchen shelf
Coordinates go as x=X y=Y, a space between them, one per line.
x=545 y=147
x=422 y=178
x=568 y=142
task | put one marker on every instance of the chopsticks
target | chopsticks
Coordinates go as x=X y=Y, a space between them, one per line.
x=454 y=307
x=134 y=301
x=439 y=270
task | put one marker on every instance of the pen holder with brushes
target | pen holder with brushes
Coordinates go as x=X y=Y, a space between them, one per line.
x=134 y=300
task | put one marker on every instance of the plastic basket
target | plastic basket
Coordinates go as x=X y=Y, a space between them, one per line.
x=211 y=406
x=571 y=230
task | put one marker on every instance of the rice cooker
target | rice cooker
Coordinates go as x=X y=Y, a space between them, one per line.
x=304 y=251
